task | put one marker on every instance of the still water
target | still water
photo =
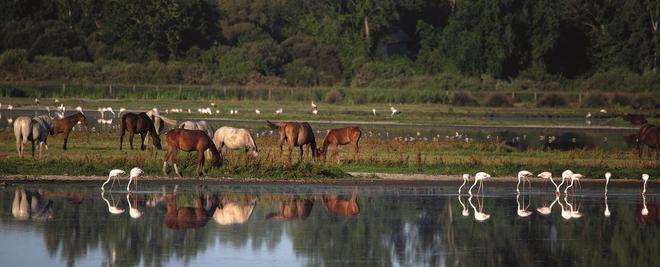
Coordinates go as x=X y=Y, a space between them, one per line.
x=294 y=225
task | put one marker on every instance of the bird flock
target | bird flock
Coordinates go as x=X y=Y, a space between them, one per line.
x=568 y=177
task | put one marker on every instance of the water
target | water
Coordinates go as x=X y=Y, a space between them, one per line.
x=294 y=225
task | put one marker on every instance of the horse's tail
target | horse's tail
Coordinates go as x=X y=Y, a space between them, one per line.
x=274 y=126
x=649 y=134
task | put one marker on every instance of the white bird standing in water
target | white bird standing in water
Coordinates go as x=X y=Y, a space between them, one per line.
x=479 y=177
x=135 y=173
x=574 y=177
x=607 y=180
x=645 y=177
x=113 y=175
x=564 y=177
x=466 y=178
x=548 y=175
x=523 y=175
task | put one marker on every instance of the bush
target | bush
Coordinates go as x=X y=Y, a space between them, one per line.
x=595 y=100
x=498 y=100
x=13 y=63
x=297 y=73
x=553 y=100
x=334 y=97
x=621 y=100
x=463 y=99
x=647 y=101
x=392 y=72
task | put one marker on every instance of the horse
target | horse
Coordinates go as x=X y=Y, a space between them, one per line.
x=159 y=123
x=189 y=140
x=297 y=134
x=198 y=125
x=137 y=123
x=189 y=217
x=35 y=129
x=233 y=213
x=341 y=136
x=235 y=138
x=64 y=125
x=341 y=207
x=635 y=119
x=291 y=209
x=649 y=135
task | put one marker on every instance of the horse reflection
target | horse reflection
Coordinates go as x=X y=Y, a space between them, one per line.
x=341 y=207
x=292 y=208
x=28 y=205
x=190 y=217
x=545 y=210
x=228 y=213
x=479 y=215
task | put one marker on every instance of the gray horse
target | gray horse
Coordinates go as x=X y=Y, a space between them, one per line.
x=32 y=129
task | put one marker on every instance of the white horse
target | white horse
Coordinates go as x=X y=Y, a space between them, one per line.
x=235 y=138
x=159 y=123
x=35 y=129
x=198 y=125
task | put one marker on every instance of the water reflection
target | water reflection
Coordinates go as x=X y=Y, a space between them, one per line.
x=368 y=225
x=28 y=205
x=112 y=208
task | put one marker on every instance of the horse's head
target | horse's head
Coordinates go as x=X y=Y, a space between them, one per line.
x=156 y=141
x=321 y=153
x=81 y=118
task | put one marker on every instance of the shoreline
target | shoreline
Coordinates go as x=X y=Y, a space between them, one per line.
x=359 y=178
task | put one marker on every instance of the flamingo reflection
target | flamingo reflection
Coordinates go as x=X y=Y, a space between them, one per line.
x=607 y=212
x=545 y=210
x=133 y=211
x=479 y=215
x=522 y=212
x=112 y=208
x=645 y=210
x=466 y=211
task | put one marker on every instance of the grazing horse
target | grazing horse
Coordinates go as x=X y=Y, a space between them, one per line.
x=189 y=140
x=341 y=207
x=649 y=135
x=293 y=208
x=635 y=119
x=180 y=218
x=64 y=125
x=36 y=129
x=341 y=136
x=297 y=134
x=159 y=123
x=137 y=123
x=235 y=138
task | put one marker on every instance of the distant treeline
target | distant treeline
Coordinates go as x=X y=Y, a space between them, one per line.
x=540 y=45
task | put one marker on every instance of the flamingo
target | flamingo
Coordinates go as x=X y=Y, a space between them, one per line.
x=645 y=211
x=522 y=212
x=313 y=105
x=574 y=177
x=373 y=110
x=113 y=209
x=645 y=177
x=548 y=175
x=565 y=213
x=466 y=177
x=607 y=181
x=109 y=109
x=113 y=175
x=523 y=175
x=135 y=173
x=607 y=212
x=547 y=210
x=394 y=111
x=479 y=177
x=478 y=215
x=257 y=111
x=564 y=176
x=133 y=211
x=278 y=111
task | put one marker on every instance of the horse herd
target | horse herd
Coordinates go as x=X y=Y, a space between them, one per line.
x=189 y=136
x=199 y=136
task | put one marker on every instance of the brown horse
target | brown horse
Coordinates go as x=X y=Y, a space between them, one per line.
x=138 y=123
x=649 y=135
x=64 y=125
x=635 y=119
x=296 y=134
x=190 y=217
x=292 y=208
x=188 y=141
x=341 y=136
x=341 y=207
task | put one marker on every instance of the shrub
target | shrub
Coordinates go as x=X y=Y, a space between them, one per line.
x=621 y=100
x=552 y=100
x=646 y=101
x=296 y=73
x=595 y=100
x=13 y=63
x=498 y=100
x=392 y=72
x=334 y=97
x=463 y=99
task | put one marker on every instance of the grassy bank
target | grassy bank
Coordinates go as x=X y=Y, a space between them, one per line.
x=101 y=154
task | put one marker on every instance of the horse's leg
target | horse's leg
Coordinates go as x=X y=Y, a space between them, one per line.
x=302 y=152
x=32 y=148
x=142 y=146
x=281 y=143
x=356 y=150
x=130 y=138
x=167 y=157
x=41 y=148
x=19 y=147
x=173 y=158
x=66 y=138
x=200 y=162
x=639 y=147
x=335 y=153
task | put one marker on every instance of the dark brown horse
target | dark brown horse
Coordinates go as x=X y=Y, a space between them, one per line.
x=190 y=217
x=138 y=123
x=188 y=141
x=296 y=134
x=341 y=207
x=64 y=125
x=635 y=119
x=649 y=135
x=292 y=209
x=340 y=137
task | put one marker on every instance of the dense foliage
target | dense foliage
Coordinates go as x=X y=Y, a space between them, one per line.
x=608 y=44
